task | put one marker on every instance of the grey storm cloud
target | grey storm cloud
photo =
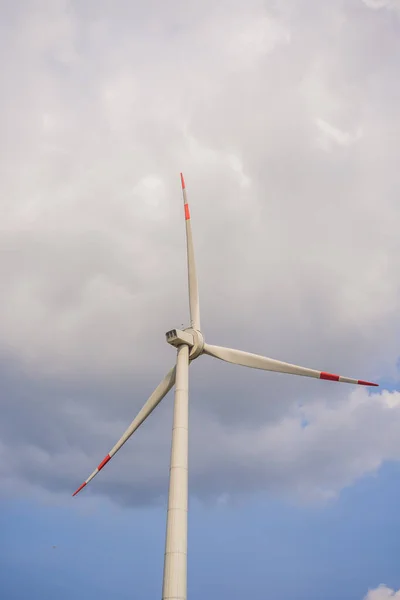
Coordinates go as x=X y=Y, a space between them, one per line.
x=285 y=120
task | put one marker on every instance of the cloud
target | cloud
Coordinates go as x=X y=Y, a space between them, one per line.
x=377 y=4
x=297 y=248
x=382 y=593
x=343 y=138
x=309 y=453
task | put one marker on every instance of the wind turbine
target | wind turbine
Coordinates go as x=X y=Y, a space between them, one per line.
x=190 y=345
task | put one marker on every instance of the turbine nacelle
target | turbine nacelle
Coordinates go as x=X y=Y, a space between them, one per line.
x=177 y=337
x=191 y=337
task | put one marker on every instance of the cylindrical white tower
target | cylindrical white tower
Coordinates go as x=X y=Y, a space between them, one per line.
x=175 y=560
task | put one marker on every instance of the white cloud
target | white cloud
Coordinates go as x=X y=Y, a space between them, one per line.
x=343 y=138
x=377 y=4
x=297 y=248
x=382 y=593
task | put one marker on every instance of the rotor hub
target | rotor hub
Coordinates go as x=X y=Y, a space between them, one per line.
x=198 y=345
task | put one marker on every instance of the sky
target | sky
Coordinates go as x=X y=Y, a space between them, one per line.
x=284 y=118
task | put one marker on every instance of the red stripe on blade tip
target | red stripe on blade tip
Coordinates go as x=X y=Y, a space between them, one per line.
x=182 y=181
x=187 y=212
x=361 y=382
x=329 y=376
x=103 y=462
x=79 y=488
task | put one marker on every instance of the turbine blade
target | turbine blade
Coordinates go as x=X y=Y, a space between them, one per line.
x=255 y=361
x=192 y=276
x=161 y=390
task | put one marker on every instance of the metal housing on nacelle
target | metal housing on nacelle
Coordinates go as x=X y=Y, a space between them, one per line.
x=193 y=338
x=177 y=337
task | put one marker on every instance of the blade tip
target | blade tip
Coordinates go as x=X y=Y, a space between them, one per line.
x=79 y=489
x=361 y=382
x=183 y=181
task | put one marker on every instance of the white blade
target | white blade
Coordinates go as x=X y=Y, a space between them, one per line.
x=255 y=361
x=192 y=276
x=161 y=390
